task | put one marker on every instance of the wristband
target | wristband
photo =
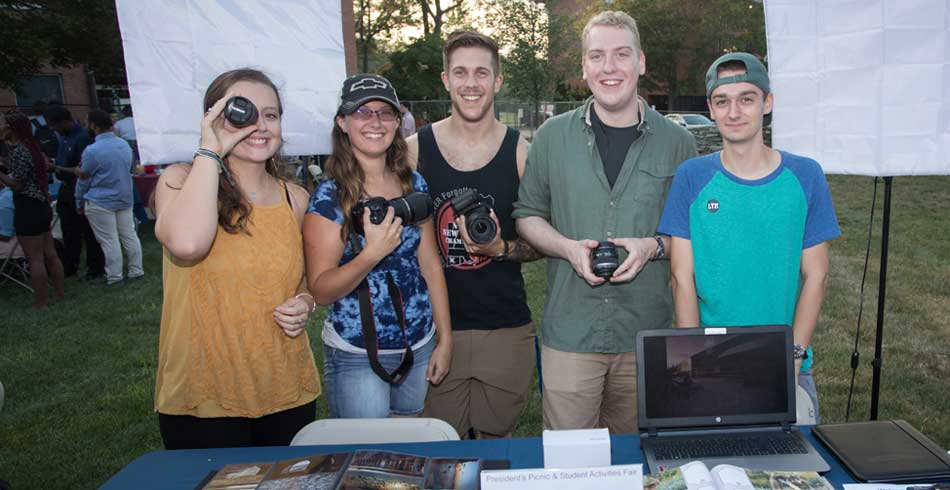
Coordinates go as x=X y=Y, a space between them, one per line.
x=312 y=308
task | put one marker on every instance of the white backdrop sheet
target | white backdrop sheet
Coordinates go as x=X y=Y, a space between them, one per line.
x=175 y=48
x=862 y=86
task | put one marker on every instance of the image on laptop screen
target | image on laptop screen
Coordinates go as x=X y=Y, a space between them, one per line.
x=715 y=375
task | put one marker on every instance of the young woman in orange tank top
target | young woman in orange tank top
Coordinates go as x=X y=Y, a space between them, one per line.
x=235 y=363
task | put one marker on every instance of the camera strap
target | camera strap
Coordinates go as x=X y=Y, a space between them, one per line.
x=368 y=324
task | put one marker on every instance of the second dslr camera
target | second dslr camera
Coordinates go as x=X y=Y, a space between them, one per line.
x=412 y=208
x=477 y=211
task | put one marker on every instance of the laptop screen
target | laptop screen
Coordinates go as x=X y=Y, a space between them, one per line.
x=715 y=376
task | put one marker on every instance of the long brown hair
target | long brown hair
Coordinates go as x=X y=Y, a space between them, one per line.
x=21 y=128
x=346 y=171
x=234 y=210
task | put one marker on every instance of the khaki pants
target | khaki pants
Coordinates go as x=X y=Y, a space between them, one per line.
x=589 y=390
x=488 y=382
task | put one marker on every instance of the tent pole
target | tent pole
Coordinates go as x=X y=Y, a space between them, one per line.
x=881 y=290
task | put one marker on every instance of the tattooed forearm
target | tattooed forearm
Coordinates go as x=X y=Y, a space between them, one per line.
x=520 y=251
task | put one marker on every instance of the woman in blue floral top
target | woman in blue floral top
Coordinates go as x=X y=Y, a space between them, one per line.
x=369 y=160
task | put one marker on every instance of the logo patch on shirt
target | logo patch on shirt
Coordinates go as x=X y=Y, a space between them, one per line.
x=712 y=205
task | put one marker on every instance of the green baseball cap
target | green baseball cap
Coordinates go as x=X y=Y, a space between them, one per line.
x=755 y=73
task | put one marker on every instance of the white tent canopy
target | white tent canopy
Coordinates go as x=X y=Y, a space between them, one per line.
x=862 y=86
x=175 y=48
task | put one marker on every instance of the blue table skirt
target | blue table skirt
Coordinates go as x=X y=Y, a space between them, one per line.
x=183 y=469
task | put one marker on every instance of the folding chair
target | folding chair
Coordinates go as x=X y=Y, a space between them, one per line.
x=374 y=431
x=804 y=407
x=13 y=264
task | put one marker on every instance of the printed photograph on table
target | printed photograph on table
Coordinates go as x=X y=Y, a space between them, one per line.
x=454 y=474
x=383 y=470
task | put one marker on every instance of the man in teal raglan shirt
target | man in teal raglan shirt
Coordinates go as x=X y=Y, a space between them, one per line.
x=749 y=225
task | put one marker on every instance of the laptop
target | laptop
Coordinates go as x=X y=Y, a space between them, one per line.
x=720 y=395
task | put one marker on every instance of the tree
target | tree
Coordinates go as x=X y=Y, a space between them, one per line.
x=435 y=15
x=60 y=33
x=373 y=18
x=415 y=70
x=529 y=34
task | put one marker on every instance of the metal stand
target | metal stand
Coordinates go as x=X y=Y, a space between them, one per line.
x=881 y=290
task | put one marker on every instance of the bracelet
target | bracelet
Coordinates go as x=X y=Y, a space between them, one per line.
x=204 y=152
x=312 y=308
x=212 y=155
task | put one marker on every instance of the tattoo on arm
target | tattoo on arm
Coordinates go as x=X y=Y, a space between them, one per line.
x=521 y=251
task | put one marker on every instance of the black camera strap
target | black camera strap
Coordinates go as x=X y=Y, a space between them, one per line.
x=368 y=324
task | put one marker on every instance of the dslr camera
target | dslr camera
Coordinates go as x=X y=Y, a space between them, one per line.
x=477 y=211
x=412 y=208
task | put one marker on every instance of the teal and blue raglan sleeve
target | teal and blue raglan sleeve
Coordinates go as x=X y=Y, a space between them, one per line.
x=821 y=222
x=689 y=179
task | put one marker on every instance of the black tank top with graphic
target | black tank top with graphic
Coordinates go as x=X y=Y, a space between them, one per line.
x=483 y=294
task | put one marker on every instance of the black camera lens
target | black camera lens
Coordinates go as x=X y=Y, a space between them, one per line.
x=240 y=112
x=604 y=259
x=411 y=209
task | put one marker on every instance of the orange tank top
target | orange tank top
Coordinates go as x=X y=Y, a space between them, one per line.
x=221 y=354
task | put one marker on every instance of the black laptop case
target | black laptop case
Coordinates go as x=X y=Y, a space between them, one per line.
x=885 y=451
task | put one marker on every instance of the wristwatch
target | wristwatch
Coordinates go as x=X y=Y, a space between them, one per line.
x=660 y=249
x=799 y=351
x=504 y=254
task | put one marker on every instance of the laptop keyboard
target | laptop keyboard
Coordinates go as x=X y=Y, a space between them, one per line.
x=727 y=446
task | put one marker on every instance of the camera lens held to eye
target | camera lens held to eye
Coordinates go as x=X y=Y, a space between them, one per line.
x=412 y=208
x=604 y=259
x=240 y=112
x=477 y=211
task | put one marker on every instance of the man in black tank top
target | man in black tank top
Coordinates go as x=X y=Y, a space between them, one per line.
x=493 y=336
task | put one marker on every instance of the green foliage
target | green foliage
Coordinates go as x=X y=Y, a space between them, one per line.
x=373 y=18
x=60 y=33
x=416 y=70
x=682 y=37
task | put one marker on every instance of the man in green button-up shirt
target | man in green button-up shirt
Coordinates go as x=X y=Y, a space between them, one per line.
x=601 y=172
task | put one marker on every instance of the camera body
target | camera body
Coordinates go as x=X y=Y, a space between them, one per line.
x=604 y=259
x=412 y=208
x=240 y=112
x=477 y=211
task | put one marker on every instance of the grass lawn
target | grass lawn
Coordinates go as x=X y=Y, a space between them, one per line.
x=79 y=376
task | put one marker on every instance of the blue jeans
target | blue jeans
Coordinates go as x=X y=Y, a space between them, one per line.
x=807 y=381
x=353 y=390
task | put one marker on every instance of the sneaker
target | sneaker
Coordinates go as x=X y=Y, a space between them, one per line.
x=133 y=278
x=115 y=283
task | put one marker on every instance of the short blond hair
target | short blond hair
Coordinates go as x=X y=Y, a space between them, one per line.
x=612 y=18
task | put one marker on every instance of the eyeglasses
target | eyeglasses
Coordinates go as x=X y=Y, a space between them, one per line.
x=365 y=114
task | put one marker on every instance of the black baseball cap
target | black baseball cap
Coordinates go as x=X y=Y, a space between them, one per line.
x=362 y=88
x=755 y=73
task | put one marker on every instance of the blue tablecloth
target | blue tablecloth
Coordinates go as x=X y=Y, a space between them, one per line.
x=183 y=469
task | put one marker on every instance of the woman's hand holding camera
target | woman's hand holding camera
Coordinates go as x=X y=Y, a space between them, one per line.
x=216 y=134
x=383 y=238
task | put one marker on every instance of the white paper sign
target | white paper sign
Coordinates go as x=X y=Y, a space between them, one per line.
x=628 y=476
x=862 y=86
x=175 y=48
